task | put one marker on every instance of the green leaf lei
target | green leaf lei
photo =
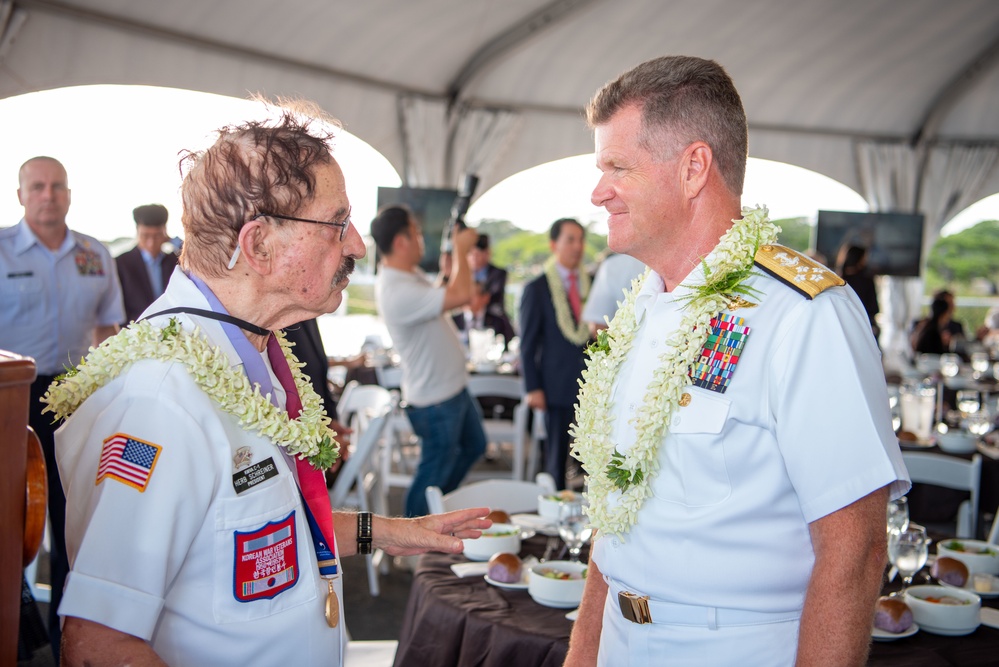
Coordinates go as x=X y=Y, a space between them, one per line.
x=308 y=435
x=620 y=483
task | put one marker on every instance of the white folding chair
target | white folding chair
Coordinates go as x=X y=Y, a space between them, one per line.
x=356 y=480
x=952 y=473
x=510 y=495
x=369 y=653
x=499 y=430
x=389 y=377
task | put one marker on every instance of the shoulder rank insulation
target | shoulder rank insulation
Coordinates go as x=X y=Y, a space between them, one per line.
x=797 y=271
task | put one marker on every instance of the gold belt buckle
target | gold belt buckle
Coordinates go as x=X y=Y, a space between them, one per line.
x=634 y=607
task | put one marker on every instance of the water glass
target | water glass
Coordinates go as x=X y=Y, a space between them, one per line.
x=979 y=363
x=950 y=365
x=908 y=550
x=918 y=405
x=898 y=515
x=968 y=402
x=573 y=527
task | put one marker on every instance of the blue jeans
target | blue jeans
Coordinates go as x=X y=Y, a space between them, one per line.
x=452 y=441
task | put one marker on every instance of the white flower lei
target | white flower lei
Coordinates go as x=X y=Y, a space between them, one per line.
x=576 y=333
x=619 y=484
x=308 y=435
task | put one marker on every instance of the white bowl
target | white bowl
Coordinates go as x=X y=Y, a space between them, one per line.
x=943 y=619
x=560 y=593
x=957 y=442
x=498 y=538
x=979 y=556
x=548 y=505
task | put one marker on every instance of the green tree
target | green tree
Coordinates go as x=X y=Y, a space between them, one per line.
x=966 y=257
x=795 y=233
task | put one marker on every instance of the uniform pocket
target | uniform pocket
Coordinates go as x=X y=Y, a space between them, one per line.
x=23 y=297
x=261 y=547
x=695 y=471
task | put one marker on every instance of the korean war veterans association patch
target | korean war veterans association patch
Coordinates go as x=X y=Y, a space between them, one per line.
x=128 y=460
x=266 y=560
x=720 y=354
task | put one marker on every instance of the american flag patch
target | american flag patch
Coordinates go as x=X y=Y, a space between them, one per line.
x=714 y=368
x=128 y=460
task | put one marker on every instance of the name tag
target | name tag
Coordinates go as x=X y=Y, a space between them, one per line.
x=247 y=478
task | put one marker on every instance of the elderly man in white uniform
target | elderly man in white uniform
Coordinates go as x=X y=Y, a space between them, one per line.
x=739 y=486
x=199 y=529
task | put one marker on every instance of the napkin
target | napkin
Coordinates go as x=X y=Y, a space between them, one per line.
x=990 y=617
x=470 y=569
x=990 y=451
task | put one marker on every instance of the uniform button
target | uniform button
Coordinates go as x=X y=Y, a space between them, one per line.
x=631 y=407
x=654 y=342
x=685 y=400
x=676 y=420
x=615 y=543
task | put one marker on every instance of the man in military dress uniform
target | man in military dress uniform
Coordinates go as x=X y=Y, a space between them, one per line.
x=734 y=423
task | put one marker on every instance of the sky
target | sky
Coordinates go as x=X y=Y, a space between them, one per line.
x=121 y=146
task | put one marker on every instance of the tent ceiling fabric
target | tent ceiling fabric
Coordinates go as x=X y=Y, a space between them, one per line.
x=816 y=77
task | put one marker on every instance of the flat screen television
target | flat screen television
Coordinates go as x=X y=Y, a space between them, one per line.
x=894 y=241
x=432 y=208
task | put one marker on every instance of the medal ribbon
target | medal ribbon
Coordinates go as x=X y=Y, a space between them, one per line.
x=311 y=482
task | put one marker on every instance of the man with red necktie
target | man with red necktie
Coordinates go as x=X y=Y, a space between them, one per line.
x=199 y=526
x=553 y=338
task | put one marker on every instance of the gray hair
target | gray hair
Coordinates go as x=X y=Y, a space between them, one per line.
x=683 y=99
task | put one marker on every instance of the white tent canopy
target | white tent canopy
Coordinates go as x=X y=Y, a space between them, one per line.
x=441 y=86
x=896 y=99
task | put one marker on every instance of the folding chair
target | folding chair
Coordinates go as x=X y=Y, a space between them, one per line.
x=510 y=495
x=952 y=473
x=498 y=430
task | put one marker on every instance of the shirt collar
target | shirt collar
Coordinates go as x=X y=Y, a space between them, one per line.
x=27 y=239
x=149 y=259
x=654 y=288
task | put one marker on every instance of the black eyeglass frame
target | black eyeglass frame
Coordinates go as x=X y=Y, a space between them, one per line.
x=342 y=225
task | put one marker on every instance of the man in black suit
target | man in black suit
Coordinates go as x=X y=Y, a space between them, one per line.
x=492 y=278
x=476 y=315
x=144 y=271
x=553 y=338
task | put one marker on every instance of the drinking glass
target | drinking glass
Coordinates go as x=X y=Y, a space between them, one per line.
x=918 y=404
x=573 y=527
x=898 y=515
x=907 y=551
x=968 y=402
x=978 y=423
x=979 y=363
x=950 y=365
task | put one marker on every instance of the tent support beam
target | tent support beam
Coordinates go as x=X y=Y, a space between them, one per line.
x=224 y=48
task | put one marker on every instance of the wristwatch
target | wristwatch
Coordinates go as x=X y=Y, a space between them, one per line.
x=364 y=521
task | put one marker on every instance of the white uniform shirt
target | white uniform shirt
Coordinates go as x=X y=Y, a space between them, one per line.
x=433 y=361
x=161 y=564
x=613 y=277
x=803 y=430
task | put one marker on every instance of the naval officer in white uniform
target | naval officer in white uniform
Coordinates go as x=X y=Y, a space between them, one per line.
x=739 y=490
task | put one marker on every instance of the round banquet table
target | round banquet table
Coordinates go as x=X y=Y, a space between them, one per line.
x=465 y=622
x=454 y=621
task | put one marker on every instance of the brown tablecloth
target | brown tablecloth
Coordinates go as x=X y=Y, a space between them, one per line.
x=465 y=622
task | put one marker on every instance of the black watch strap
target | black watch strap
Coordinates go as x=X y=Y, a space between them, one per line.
x=364 y=522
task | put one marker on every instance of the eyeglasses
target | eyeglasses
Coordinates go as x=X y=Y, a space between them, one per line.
x=342 y=225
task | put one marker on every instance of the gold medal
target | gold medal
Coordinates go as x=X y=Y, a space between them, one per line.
x=332 y=606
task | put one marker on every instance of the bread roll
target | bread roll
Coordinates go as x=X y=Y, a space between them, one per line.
x=505 y=568
x=892 y=615
x=950 y=571
x=498 y=516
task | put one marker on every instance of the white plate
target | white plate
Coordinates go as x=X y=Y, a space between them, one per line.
x=573 y=614
x=555 y=603
x=919 y=444
x=535 y=522
x=970 y=587
x=518 y=586
x=880 y=635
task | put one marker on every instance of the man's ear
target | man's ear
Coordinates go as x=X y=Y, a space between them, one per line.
x=257 y=245
x=694 y=168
